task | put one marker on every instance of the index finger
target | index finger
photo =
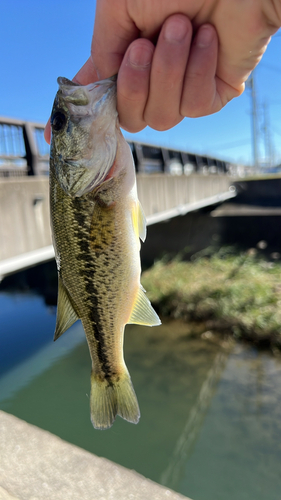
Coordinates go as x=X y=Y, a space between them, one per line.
x=114 y=30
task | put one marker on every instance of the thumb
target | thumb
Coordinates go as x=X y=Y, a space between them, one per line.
x=114 y=30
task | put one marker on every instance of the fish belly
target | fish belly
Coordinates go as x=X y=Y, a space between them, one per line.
x=98 y=264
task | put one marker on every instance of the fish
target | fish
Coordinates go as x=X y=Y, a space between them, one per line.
x=97 y=223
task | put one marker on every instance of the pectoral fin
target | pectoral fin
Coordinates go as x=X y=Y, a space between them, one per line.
x=143 y=312
x=139 y=221
x=66 y=314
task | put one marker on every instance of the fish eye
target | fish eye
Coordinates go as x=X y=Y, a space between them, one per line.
x=58 y=121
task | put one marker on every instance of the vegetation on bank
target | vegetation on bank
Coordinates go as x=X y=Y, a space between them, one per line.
x=237 y=294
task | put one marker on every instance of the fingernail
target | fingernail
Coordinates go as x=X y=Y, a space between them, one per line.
x=204 y=37
x=140 y=56
x=175 y=30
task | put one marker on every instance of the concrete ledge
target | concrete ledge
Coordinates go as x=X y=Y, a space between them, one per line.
x=29 y=259
x=190 y=207
x=36 y=465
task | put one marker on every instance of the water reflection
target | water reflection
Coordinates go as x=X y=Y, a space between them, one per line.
x=26 y=325
x=238 y=452
x=210 y=425
x=184 y=447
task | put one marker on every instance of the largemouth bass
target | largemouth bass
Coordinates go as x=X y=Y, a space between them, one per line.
x=97 y=222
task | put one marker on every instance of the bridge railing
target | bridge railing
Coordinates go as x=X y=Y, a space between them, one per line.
x=25 y=235
x=23 y=151
x=155 y=159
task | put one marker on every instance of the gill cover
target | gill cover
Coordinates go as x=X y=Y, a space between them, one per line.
x=84 y=134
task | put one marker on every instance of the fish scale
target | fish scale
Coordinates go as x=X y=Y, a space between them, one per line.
x=83 y=285
x=96 y=223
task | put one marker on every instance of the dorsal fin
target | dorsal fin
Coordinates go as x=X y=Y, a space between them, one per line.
x=66 y=314
x=143 y=312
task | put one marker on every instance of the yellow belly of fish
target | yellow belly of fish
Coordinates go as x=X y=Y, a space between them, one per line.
x=99 y=278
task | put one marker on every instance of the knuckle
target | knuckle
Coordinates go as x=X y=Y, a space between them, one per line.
x=133 y=128
x=130 y=118
x=133 y=88
x=195 y=109
x=196 y=74
x=162 y=122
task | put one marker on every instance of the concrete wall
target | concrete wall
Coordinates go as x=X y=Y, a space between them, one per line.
x=24 y=205
x=36 y=465
x=158 y=193
x=24 y=215
x=187 y=235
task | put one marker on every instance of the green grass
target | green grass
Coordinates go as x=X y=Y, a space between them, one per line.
x=239 y=294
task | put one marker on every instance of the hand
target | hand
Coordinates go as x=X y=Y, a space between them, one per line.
x=159 y=85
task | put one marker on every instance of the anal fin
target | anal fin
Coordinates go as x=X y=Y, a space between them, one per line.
x=143 y=312
x=66 y=314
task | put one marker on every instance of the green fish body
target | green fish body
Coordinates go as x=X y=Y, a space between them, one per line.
x=97 y=221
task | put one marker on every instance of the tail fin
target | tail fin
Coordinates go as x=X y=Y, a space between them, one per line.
x=109 y=399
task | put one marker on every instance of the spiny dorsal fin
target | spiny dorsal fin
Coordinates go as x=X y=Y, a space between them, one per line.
x=143 y=312
x=66 y=315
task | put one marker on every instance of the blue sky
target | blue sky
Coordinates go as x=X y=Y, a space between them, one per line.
x=43 y=40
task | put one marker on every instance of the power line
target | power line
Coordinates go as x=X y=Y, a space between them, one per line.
x=271 y=67
x=231 y=145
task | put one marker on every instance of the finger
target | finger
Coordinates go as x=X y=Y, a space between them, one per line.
x=114 y=30
x=244 y=30
x=167 y=73
x=47 y=132
x=199 y=91
x=203 y=92
x=133 y=85
x=87 y=74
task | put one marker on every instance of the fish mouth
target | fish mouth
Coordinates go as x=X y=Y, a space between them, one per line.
x=62 y=81
x=110 y=81
x=74 y=93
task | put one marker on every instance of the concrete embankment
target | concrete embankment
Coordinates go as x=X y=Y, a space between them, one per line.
x=36 y=465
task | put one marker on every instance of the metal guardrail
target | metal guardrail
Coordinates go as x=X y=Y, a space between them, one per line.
x=23 y=151
x=155 y=159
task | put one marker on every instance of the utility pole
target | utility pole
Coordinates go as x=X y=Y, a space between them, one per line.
x=251 y=85
x=267 y=138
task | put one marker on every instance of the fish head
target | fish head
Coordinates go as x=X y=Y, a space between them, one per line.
x=84 y=124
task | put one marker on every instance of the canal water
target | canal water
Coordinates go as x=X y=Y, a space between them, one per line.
x=210 y=423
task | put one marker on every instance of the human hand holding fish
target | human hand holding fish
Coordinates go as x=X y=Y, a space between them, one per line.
x=97 y=222
x=150 y=44
x=147 y=72
x=163 y=75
